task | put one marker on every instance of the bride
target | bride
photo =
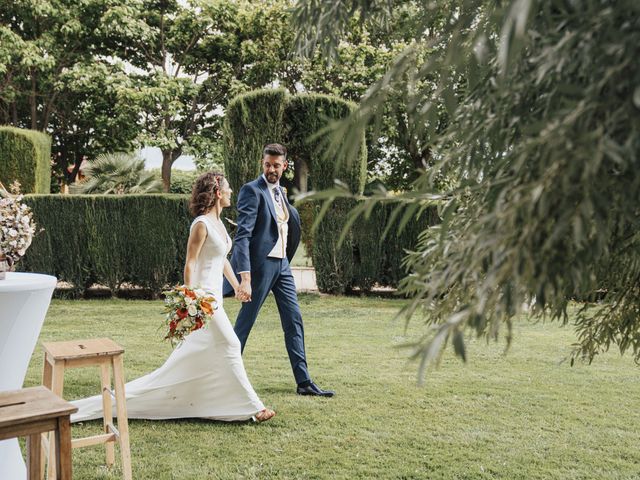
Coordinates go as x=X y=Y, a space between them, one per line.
x=204 y=377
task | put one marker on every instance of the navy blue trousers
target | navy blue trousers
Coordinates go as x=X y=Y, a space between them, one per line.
x=275 y=275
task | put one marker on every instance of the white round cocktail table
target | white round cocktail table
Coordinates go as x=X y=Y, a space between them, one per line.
x=24 y=300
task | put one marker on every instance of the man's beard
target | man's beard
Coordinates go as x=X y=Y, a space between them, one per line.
x=272 y=178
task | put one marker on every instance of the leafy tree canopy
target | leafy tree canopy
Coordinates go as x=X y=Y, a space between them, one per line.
x=108 y=76
x=541 y=149
x=55 y=76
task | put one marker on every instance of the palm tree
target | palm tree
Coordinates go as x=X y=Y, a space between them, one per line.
x=118 y=173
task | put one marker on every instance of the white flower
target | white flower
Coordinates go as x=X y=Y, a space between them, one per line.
x=188 y=300
x=16 y=225
x=192 y=310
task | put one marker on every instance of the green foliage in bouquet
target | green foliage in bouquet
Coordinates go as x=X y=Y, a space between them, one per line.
x=25 y=156
x=186 y=310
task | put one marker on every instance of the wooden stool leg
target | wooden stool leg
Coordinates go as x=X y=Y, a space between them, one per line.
x=121 y=408
x=34 y=457
x=47 y=381
x=57 y=385
x=107 y=420
x=63 y=434
x=47 y=373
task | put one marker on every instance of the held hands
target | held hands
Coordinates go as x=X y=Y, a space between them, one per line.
x=243 y=292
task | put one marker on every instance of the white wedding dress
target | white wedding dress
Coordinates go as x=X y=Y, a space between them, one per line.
x=204 y=377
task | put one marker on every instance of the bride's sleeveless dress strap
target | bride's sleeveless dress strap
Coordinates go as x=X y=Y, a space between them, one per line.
x=198 y=219
x=226 y=239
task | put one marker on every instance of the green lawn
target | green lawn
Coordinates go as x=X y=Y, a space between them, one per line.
x=526 y=415
x=300 y=259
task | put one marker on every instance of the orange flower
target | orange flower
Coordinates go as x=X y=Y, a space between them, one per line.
x=206 y=307
x=190 y=294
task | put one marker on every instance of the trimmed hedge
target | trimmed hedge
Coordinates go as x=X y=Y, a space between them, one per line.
x=25 y=155
x=380 y=261
x=252 y=120
x=308 y=114
x=267 y=116
x=110 y=239
x=305 y=115
x=141 y=240
x=364 y=260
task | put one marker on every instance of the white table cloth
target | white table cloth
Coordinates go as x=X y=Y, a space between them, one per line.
x=24 y=300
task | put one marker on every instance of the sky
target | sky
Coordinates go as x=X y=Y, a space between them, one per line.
x=153 y=159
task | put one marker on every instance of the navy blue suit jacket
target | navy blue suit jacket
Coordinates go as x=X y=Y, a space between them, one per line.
x=257 y=231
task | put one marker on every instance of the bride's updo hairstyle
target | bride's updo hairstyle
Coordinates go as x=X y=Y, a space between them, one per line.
x=203 y=194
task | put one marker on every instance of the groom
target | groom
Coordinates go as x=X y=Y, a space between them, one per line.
x=267 y=237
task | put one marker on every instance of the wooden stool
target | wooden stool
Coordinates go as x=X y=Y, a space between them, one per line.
x=101 y=352
x=30 y=412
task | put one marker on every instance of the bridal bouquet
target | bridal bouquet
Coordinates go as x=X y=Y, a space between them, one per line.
x=17 y=227
x=186 y=310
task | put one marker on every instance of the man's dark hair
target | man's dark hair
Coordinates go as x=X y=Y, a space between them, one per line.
x=275 y=149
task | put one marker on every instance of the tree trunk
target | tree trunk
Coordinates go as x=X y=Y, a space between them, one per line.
x=301 y=175
x=14 y=114
x=33 y=103
x=71 y=176
x=168 y=157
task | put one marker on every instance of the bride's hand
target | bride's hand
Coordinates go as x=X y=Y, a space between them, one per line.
x=242 y=296
x=244 y=289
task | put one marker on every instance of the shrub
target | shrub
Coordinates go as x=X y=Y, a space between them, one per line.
x=118 y=173
x=380 y=261
x=307 y=213
x=252 y=120
x=306 y=115
x=266 y=116
x=109 y=239
x=365 y=260
x=25 y=156
x=181 y=180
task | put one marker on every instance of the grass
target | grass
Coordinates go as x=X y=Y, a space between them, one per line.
x=526 y=415
x=300 y=259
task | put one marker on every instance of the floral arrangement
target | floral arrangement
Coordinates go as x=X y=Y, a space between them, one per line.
x=186 y=310
x=17 y=227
